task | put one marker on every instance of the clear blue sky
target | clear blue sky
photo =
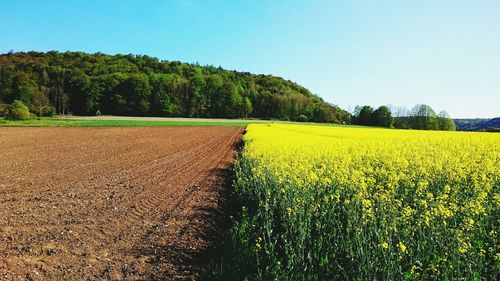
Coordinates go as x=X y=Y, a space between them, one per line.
x=443 y=53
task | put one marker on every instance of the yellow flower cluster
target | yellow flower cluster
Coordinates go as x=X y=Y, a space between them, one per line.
x=422 y=202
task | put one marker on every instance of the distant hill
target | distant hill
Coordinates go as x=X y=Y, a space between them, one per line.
x=478 y=124
x=138 y=85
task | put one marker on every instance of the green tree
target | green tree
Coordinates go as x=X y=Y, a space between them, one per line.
x=323 y=114
x=365 y=115
x=234 y=100
x=247 y=107
x=424 y=118
x=18 y=111
x=213 y=91
x=163 y=102
x=445 y=122
x=196 y=102
x=136 y=92
x=382 y=117
x=40 y=100
x=23 y=87
x=79 y=86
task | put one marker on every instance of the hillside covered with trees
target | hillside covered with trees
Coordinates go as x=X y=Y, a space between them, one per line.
x=82 y=84
x=490 y=125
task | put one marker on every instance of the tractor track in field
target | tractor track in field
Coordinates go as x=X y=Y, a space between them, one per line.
x=111 y=203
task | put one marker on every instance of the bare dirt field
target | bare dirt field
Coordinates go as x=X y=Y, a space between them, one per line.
x=111 y=203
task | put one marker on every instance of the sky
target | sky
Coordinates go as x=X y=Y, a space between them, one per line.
x=442 y=53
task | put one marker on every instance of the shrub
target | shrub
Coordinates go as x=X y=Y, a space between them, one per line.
x=48 y=111
x=18 y=111
x=302 y=118
x=3 y=109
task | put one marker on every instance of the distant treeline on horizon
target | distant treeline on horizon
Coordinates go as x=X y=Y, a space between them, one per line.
x=420 y=117
x=478 y=124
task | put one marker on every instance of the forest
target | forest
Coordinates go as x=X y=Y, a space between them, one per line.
x=138 y=85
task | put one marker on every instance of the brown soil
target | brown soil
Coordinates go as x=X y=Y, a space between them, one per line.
x=111 y=203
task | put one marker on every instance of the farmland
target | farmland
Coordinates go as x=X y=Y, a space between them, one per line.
x=308 y=202
x=128 y=203
x=333 y=203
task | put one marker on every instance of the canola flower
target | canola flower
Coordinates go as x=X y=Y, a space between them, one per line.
x=328 y=203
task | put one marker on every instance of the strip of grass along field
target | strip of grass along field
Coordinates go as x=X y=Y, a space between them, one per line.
x=334 y=203
x=108 y=121
x=60 y=122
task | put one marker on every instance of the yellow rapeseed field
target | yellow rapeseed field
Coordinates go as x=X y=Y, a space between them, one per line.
x=327 y=203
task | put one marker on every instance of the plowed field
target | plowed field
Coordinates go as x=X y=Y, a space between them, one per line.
x=110 y=203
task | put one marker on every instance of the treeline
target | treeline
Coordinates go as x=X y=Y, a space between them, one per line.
x=82 y=84
x=420 y=117
x=487 y=125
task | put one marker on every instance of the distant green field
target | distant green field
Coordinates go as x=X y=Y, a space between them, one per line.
x=58 y=122
x=120 y=121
